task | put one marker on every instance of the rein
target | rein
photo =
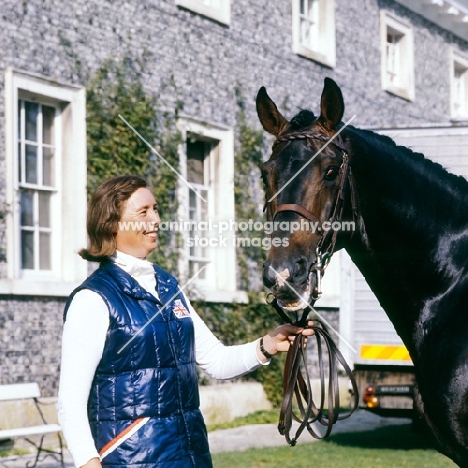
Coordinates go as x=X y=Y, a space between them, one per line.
x=295 y=384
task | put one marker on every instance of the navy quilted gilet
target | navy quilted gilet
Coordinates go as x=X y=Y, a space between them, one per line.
x=153 y=376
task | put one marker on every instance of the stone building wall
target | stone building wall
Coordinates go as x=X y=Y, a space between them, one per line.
x=197 y=63
x=30 y=335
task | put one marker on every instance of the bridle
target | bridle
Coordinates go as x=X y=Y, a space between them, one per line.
x=294 y=383
x=327 y=243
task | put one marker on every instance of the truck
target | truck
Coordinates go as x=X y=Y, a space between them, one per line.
x=381 y=363
x=382 y=366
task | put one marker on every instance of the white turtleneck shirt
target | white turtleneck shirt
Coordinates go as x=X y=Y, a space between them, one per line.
x=84 y=336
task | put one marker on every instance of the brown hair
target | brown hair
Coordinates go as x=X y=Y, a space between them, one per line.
x=104 y=211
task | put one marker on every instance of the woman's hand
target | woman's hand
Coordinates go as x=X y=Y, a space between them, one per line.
x=281 y=338
x=93 y=463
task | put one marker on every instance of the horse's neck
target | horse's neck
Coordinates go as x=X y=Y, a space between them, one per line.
x=407 y=209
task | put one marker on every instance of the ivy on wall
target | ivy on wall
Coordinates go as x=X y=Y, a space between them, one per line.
x=114 y=91
x=113 y=148
x=248 y=159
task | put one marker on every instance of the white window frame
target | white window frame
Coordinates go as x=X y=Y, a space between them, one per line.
x=221 y=13
x=459 y=111
x=404 y=86
x=204 y=194
x=39 y=186
x=68 y=204
x=220 y=284
x=324 y=51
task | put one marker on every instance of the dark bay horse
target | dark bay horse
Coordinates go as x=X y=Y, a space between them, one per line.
x=410 y=243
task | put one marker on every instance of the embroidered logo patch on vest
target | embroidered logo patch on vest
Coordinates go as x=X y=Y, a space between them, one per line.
x=179 y=309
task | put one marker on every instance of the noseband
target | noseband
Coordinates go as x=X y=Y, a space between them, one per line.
x=326 y=246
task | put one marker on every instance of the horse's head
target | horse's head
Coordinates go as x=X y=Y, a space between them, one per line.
x=304 y=180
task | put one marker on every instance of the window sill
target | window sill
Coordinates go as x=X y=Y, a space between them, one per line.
x=325 y=59
x=459 y=119
x=222 y=15
x=53 y=288
x=404 y=93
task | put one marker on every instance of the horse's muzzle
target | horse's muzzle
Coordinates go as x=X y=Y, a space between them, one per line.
x=288 y=281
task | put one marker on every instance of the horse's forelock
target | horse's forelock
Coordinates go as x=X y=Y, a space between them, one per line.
x=302 y=120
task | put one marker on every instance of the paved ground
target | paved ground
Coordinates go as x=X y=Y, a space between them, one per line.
x=240 y=438
x=267 y=435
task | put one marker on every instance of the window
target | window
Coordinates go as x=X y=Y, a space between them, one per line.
x=393 y=57
x=36 y=179
x=208 y=253
x=397 y=57
x=199 y=156
x=46 y=185
x=314 y=30
x=459 y=107
x=219 y=10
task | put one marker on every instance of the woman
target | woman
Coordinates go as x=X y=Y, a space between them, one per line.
x=128 y=392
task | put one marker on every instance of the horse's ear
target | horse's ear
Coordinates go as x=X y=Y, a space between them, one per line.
x=269 y=115
x=331 y=105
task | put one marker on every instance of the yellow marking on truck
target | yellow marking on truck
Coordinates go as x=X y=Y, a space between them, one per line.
x=385 y=352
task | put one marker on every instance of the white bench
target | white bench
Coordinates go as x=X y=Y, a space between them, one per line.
x=31 y=391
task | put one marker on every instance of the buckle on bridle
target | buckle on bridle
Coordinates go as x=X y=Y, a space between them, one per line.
x=321 y=262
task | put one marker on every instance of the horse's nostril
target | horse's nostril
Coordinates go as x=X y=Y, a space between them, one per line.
x=300 y=268
x=269 y=276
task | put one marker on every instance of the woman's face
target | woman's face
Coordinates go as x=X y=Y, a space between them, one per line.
x=137 y=229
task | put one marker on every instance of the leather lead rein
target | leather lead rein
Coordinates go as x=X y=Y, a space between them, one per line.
x=297 y=383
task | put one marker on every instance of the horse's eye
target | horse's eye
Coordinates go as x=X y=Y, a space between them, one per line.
x=331 y=173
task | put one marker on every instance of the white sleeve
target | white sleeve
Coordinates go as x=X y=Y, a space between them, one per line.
x=220 y=361
x=84 y=335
